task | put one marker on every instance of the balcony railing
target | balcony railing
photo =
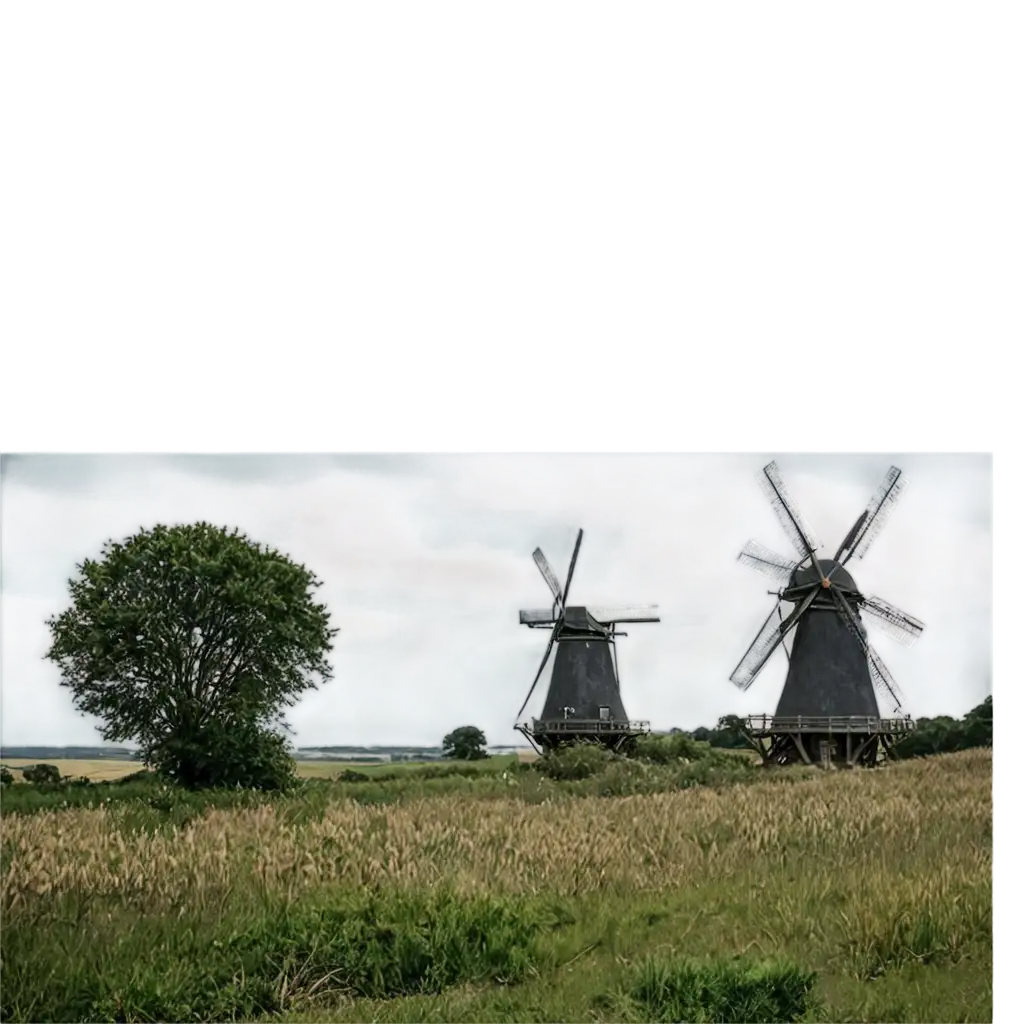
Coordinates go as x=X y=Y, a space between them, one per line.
x=589 y=726
x=765 y=724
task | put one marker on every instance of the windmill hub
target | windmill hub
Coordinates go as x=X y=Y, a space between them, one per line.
x=830 y=703
x=834 y=575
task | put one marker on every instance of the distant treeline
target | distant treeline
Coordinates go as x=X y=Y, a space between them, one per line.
x=932 y=736
x=78 y=753
x=940 y=735
x=303 y=753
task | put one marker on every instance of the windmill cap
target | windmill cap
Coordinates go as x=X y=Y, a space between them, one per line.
x=833 y=570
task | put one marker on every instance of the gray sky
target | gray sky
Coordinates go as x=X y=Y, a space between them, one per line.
x=426 y=561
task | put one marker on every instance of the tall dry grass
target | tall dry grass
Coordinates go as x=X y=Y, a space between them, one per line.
x=860 y=826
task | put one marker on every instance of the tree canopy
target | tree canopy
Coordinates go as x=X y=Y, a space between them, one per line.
x=177 y=632
x=467 y=743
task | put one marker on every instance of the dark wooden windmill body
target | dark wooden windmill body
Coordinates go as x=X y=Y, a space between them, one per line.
x=840 y=704
x=583 y=701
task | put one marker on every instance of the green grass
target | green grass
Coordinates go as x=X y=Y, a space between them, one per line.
x=567 y=775
x=873 y=903
x=262 y=958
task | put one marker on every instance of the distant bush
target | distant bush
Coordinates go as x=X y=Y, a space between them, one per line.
x=6 y=776
x=431 y=771
x=350 y=775
x=41 y=774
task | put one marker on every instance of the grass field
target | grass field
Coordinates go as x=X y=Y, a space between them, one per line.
x=536 y=903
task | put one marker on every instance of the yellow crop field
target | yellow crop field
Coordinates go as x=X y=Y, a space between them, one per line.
x=98 y=769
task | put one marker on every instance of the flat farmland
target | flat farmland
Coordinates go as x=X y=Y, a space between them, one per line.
x=109 y=769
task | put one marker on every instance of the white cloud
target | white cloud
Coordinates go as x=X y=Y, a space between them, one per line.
x=425 y=567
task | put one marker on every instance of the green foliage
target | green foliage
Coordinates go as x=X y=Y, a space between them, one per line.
x=372 y=944
x=414 y=772
x=669 y=989
x=656 y=763
x=219 y=754
x=145 y=796
x=179 y=635
x=664 y=749
x=575 y=761
x=467 y=743
x=41 y=774
x=941 y=735
x=944 y=735
x=6 y=775
x=730 y=732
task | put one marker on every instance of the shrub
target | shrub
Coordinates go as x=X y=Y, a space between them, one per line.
x=666 y=989
x=575 y=761
x=222 y=754
x=42 y=774
x=6 y=776
x=674 y=747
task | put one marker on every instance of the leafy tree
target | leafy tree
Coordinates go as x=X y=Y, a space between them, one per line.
x=6 y=776
x=978 y=725
x=467 y=743
x=943 y=734
x=192 y=640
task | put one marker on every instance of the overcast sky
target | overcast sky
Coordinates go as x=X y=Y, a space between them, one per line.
x=426 y=560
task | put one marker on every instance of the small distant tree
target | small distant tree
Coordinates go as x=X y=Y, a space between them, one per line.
x=191 y=640
x=6 y=776
x=730 y=733
x=467 y=743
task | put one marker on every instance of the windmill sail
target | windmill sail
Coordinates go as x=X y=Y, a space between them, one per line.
x=549 y=576
x=897 y=624
x=769 y=637
x=766 y=562
x=801 y=536
x=875 y=515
